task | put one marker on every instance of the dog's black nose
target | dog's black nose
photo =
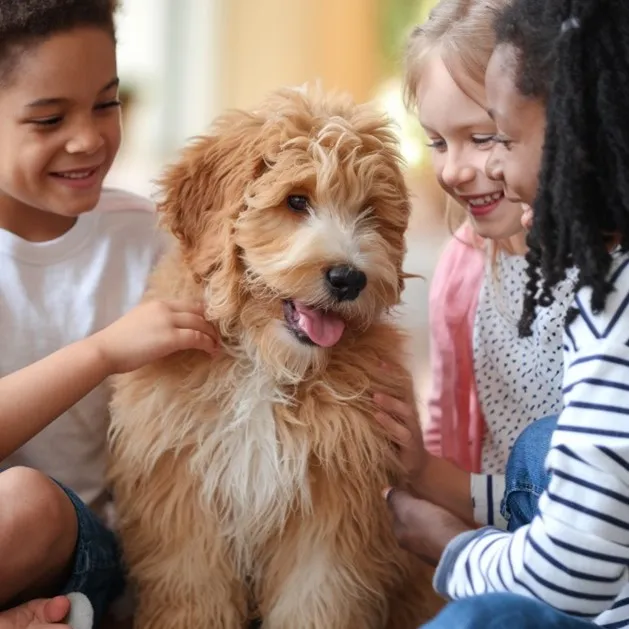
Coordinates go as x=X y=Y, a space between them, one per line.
x=345 y=282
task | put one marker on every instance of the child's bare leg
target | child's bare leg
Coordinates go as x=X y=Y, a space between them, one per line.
x=38 y=533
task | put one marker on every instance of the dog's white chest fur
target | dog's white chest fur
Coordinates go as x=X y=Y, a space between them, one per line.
x=254 y=467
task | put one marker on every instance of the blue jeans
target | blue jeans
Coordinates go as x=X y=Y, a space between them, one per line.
x=504 y=611
x=526 y=479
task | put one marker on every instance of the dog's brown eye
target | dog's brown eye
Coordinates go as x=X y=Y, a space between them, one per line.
x=298 y=203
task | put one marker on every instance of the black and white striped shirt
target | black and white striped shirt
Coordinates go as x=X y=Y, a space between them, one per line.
x=575 y=554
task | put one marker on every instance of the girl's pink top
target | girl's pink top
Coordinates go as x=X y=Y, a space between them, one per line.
x=455 y=426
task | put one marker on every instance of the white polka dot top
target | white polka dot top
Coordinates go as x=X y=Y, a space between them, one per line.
x=518 y=379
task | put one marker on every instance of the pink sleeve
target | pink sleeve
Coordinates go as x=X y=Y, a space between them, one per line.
x=454 y=426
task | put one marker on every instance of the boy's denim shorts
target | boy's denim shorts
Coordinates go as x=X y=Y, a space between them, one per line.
x=98 y=570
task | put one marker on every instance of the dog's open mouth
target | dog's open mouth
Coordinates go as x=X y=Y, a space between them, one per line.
x=311 y=325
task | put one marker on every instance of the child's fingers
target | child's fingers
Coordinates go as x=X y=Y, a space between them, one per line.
x=527 y=216
x=190 y=321
x=49 y=611
x=185 y=306
x=193 y=339
x=393 y=406
x=398 y=433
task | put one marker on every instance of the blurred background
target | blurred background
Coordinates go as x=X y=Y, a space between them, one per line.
x=183 y=61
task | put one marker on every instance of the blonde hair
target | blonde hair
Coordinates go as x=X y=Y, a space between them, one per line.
x=462 y=33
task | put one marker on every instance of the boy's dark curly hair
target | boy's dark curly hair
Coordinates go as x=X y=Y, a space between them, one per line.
x=574 y=55
x=24 y=23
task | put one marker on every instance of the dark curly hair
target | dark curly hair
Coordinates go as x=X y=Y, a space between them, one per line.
x=24 y=23
x=574 y=55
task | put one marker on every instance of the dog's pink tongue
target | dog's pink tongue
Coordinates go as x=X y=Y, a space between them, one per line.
x=323 y=328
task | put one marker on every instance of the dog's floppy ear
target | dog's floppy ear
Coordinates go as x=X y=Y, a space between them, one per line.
x=203 y=193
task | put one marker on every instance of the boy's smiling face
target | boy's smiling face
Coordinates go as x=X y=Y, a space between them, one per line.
x=60 y=123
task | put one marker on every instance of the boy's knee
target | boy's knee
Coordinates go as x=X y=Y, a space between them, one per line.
x=35 y=508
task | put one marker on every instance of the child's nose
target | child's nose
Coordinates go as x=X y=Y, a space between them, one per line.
x=455 y=173
x=86 y=139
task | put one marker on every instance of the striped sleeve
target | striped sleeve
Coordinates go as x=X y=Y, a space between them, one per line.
x=574 y=554
x=487 y=491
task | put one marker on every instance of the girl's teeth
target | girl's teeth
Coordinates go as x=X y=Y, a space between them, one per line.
x=487 y=199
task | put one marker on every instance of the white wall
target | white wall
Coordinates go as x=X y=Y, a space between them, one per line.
x=168 y=50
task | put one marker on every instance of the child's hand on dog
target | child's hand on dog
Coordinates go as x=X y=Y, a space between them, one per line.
x=420 y=526
x=401 y=421
x=427 y=476
x=152 y=331
x=527 y=217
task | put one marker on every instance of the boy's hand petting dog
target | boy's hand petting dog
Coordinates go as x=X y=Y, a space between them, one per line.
x=420 y=526
x=151 y=331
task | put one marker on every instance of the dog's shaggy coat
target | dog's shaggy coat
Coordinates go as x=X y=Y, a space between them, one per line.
x=250 y=482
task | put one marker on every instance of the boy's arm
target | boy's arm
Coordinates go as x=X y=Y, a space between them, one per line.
x=34 y=396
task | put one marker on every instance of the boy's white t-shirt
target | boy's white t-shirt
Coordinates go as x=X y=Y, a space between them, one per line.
x=57 y=292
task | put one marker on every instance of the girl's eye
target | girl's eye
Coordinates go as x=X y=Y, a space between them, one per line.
x=481 y=140
x=437 y=144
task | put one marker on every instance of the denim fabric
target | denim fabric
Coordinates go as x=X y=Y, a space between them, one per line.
x=526 y=476
x=502 y=611
x=98 y=570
